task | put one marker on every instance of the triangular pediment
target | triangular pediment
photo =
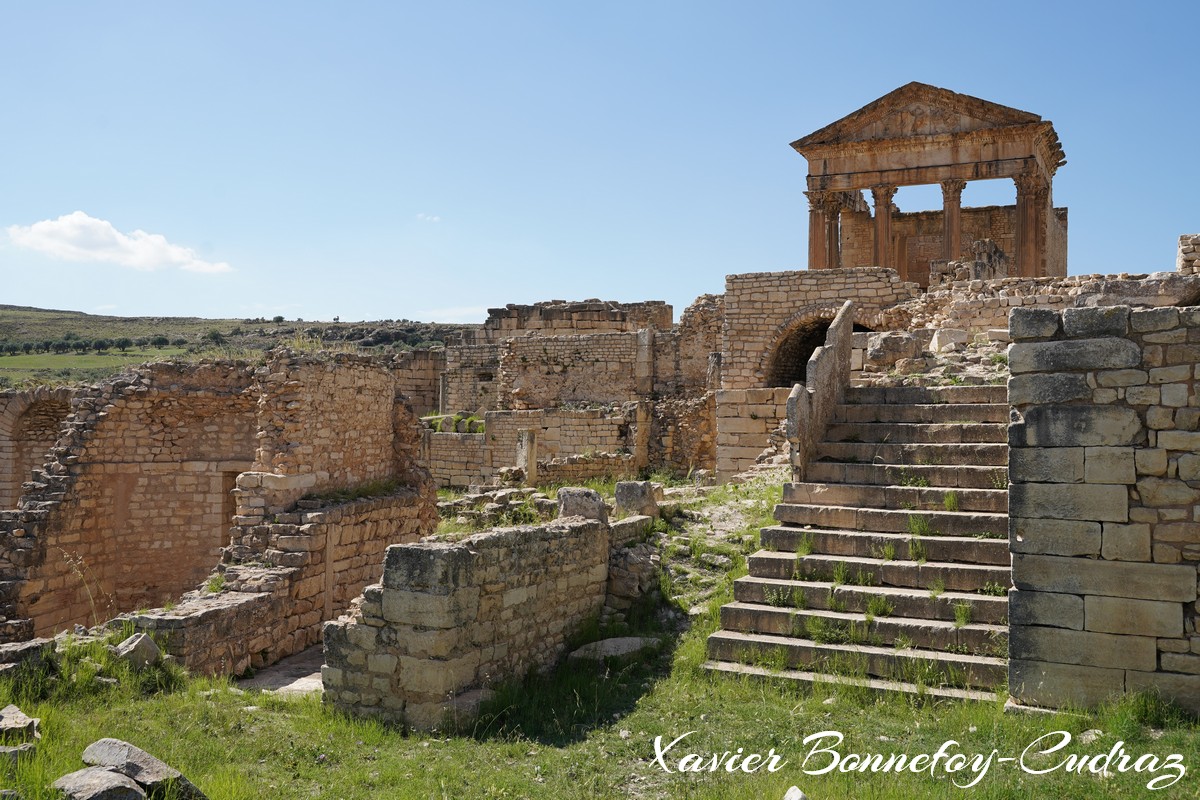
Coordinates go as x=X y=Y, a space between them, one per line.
x=917 y=109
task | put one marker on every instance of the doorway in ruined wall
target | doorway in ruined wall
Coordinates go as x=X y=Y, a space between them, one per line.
x=30 y=434
x=788 y=364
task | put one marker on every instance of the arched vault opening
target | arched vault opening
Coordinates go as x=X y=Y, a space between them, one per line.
x=788 y=365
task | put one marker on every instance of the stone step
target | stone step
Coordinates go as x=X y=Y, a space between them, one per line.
x=904 y=602
x=924 y=667
x=845 y=627
x=922 y=395
x=918 y=432
x=920 y=475
x=873 y=685
x=885 y=520
x=940 y=454
x=889 y=546
x=880 y=496
x=933 y=576
x=933 y=413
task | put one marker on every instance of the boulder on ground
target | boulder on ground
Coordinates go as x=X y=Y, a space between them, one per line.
x=98 y=783
x=139 y=650
x=133 y=762
x=622 y=647
x=586 y=503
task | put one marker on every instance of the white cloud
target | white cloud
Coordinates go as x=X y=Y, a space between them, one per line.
x=79 y=237
x=423 y=217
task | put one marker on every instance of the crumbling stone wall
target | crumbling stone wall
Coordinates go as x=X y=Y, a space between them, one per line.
x=559 y=317
x=133 y=506
x=762 y=309
x=745 y=420
x=278 y=583
x=1187 y=262
x=1104 y=504
x=976 y=306
x=30 y=423
x=448 y=619
x=419 y=377
x=683 y=435
x=471 y=380
x=548 y=371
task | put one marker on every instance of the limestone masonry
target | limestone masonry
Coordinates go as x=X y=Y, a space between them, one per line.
x=242 y=511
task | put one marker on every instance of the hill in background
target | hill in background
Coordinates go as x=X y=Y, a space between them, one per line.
x=40 y=345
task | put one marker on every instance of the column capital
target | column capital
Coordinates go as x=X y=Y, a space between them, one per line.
x=883 y=194
x=1029 y=183
x=818 y=199
x=952 y=189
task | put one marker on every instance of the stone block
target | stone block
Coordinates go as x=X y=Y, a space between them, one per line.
x=945 y=337
x=1133 y=617
x=428 y=610
x=98 y=783
x=1150 y=461
x=1068 y=501
x=1181 y=689
x=1159 y=492
x=577 y=502
x=1181 y=662
x=1188 y=441
x=1189 y=467
x=1085 y=323
x=1039 y=389
x=1073 y=355
x=436 y=567
x=1126 y=542
x=1046 y=464
x=155 y=776
x=1045 y=608
x=1077 y=426
x=1033 y=323
x=1109 y=465
x=1145 y=320
x=636 y=498
x=1053 y=685
x=1059 y=537
x=1082 y=648
x=437 y=678
x=1084 y=576
x=1122 y=377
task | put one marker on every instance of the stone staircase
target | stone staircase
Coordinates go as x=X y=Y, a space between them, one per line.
x=889 y=567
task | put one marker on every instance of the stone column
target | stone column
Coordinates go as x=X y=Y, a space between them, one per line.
x=818 y=230
x=883 y=224
x=952 y=218
x=1032 y=194
x=833 y=233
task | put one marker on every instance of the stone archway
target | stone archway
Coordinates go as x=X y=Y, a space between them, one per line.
x=786 y=360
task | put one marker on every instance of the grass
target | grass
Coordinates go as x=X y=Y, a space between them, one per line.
x=575 y=733
x=879 y=606
x=950 y=501
x=962 y=614
x=375 y=488
x=59 y=368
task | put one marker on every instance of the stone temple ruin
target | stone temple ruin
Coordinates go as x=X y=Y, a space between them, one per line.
x=938 y=537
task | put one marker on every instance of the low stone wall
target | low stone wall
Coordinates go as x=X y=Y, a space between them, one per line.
x=576 y=469
x=1187 y=261
x=419 y=377
x=745 y=419
x=810 y=404
x=457 y=459
x=280 y=582
x=1104 y=504
x=448 y=619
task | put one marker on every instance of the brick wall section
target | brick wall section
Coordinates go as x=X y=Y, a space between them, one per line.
x=30 y=422
x=683 y=435
x=548 y=371
x=573 y=470
x=1104 y=504
x=282 y=581
x=762 y=308
x=471 y=378
x=745 y=419
x=1187 y=261
x=419 y=377
x=450 y=618
x=133 y=506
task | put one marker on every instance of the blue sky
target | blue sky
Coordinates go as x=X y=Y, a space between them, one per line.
x=428 y=160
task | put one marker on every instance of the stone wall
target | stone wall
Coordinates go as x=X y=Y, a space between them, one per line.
x=549 y=371
x=133 y=506
x=745 y=420
x=419 y=378
x=574 y=470
x=279 y=582
x=683 y=435
x=1104 y=504
x=763 y=309
x=448 y=619
x=810 y=405
x=1187 y=261
x=976 y=306
x=470 y=382
x=30 y=423
x=560 y=317
x=324 y=422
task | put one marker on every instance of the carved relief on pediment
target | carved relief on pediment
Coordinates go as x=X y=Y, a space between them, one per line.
x=918 y=119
